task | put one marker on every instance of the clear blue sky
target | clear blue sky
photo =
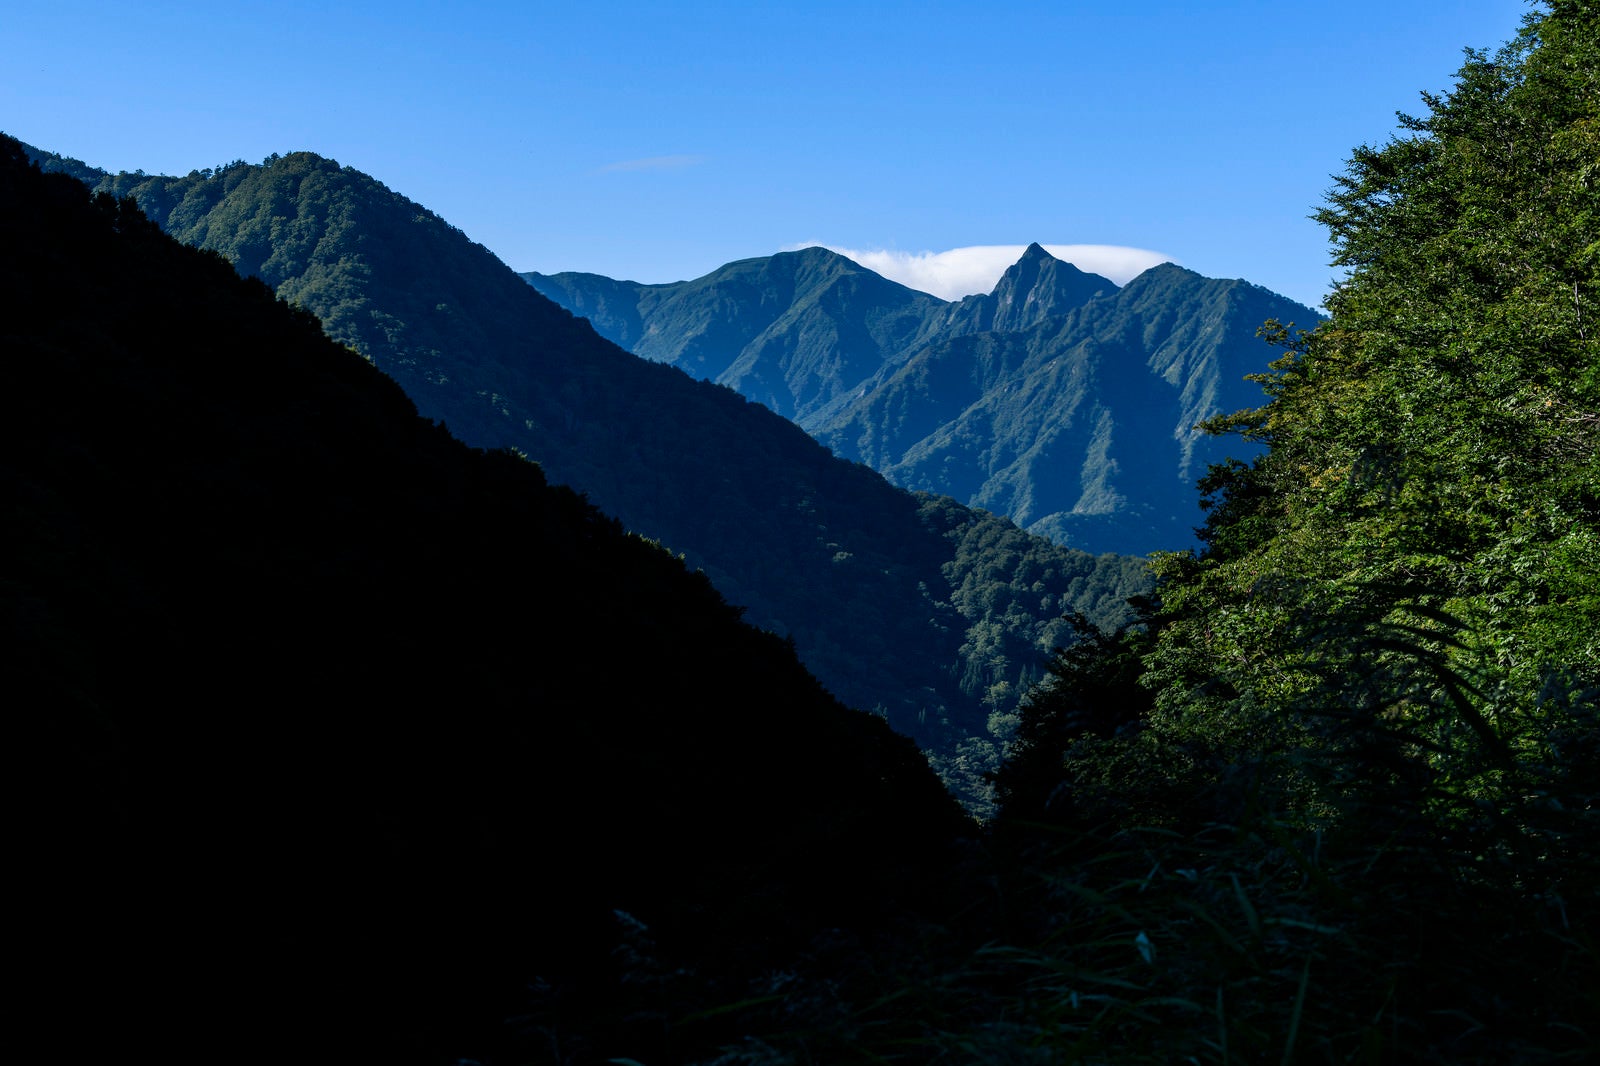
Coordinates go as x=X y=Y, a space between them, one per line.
x=657 y=141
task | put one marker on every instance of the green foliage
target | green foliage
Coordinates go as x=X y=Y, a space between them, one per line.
x=1420 y=548
x=1380 y=676
x=1092 y=693
x=1016 y=595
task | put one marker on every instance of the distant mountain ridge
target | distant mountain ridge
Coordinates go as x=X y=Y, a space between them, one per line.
x=1058 y=398
x=789 y=331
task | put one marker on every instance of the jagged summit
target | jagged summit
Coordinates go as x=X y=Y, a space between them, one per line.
x=1036 y=287
x=1057 y=399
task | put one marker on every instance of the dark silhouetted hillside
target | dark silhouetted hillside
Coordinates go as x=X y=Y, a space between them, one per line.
x=345 y=736
x=876 y=586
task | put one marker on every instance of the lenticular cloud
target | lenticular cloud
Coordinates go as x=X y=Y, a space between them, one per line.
x=963 y=271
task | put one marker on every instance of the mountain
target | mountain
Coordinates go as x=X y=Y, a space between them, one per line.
x=792 y=331
x=1058 y=399
x=1036 y=287
x=1080 y=425
x=934 y=615
x=345 y=739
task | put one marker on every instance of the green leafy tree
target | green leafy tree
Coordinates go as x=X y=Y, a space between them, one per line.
x=1091 y=693
x=1418 y=554
x=1374 y=691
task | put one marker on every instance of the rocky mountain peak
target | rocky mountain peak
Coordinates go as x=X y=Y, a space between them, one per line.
x=1037 y=286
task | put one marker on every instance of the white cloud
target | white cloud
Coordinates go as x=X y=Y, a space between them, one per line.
x=960 y=272
x=655 y=162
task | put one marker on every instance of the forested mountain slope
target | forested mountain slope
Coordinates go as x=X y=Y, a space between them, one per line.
x=1058 y=399
x=348 y=740
x=1081 y=425
x=802 y=332
x=879 y=589
x=791 y=331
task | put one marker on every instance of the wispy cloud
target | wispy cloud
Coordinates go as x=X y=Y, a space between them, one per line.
x=655 y=162
x=960 y=272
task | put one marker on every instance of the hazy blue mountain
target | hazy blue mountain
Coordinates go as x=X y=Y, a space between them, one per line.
x=1034 y=288
x=1079 y=426
x=1058 y=399
x=792 y=331
x=929 y=613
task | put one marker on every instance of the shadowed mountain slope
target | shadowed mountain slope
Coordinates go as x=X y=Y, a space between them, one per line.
x=348 y=734
x=877 y=587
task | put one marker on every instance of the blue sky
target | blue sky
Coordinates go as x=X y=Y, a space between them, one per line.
x=658 y=141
